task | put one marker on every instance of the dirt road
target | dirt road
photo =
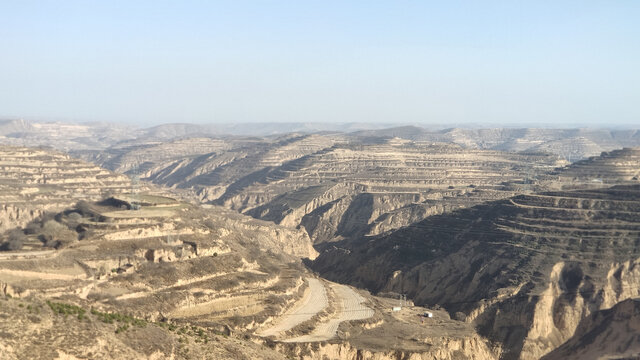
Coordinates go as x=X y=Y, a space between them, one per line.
x=28 y=254
x=314 y=301
x=351 y=308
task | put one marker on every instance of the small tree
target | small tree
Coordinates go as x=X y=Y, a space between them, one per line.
x=56 y=235
x=15 y=242
x=84 y=208
x=33 y=227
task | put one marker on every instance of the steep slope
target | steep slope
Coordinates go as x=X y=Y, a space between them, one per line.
x=138 y=156
x=611 y=333
x=212 y=173
x=8 y=127
x=331 y=187
x=348 y=190
x=150 y=276
x=525 y=270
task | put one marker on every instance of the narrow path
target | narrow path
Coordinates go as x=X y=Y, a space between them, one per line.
x=351 y=308
x=22 y=255
x=182 y=283
x=314 y=301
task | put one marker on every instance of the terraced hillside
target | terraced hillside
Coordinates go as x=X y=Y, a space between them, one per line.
x=33 y=181
x=149 y=276
x=570 y=144
x=212 y=173
x=64 y=136
x=137 y=156
x=620 y=166
x=334 y=189
x=165 y=270
x=552 y=258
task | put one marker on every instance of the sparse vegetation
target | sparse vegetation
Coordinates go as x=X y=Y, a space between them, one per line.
x=122 y=328
x=110 y=318
x=56 y=235
x=15 y=241
x=67 y=309
x=123 y=321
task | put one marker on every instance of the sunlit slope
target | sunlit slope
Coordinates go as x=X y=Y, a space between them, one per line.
x=337 y=190
x=33 y=181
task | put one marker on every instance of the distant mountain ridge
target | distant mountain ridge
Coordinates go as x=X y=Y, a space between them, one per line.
x=572 y=144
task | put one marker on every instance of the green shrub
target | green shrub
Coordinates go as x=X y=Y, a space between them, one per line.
x=122 y=328
x=67 y=309
x=110 y=318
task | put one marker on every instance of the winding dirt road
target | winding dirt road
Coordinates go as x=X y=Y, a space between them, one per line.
x=351 y=308
x=314 y=301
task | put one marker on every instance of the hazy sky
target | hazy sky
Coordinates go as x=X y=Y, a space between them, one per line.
x=148 y=62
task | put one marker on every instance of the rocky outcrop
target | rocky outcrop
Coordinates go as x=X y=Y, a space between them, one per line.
x=610 y=333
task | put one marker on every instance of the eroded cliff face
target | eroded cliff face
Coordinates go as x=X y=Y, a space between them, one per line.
x=530 y=317
x=16 y=215
x=605 y=332
x=292 y=241
x=571 y=297
x=337 y=190
x=526 y=271
x=473 y=348
x=557 y=315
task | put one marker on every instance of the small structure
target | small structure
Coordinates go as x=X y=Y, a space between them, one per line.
x=397 y=308
x=427 y=314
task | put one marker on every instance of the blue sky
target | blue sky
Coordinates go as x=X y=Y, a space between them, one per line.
x=565 y=63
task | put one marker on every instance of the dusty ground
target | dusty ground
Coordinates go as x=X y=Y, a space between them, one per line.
x=314 y=301
x=350 y=307
x=30 y=330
